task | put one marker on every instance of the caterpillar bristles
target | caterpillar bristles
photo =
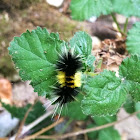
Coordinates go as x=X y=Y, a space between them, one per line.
x=59 y=55
x=54 y=87
x=55 y=109
x=68 y=77
x=72 y=50
x=60 y=62
x=75 y=99
x=49 y=103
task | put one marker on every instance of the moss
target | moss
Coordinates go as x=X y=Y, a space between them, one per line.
x=16 y=4
x=66 y=30
x=6 y=67
x=53 y=20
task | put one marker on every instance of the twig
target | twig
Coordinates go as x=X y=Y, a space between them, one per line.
x=43 y=130
x=90 y=74
x=37 y=121
x=33 y=124
x=86 y=130
x=23 y=121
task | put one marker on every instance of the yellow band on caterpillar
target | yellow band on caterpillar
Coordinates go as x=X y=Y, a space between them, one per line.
x=68 y=77
x=62 y=79
x=77 y=79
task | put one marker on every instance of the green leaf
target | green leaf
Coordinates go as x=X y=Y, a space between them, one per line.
x=92 y=135
x=81 y=43
x=84 y=9
x=104 y=120
x=105 y=95
x=109 y=134
x=19 y=112
x=89 y=63
x=35 y=54
x=133 y=40
x=130 y=70
x=137 y=108
x=73 y=110
x=127 y=7
x=129 y=105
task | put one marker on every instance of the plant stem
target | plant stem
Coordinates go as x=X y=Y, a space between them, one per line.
x=90 y=74
x=23 y=121
x=43 y=130
x=33 y=124
x=86 y=130
x=125 y=26
x=37 y=121
x=99 y=65
x=115 y=20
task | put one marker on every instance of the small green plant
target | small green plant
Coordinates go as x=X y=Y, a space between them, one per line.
x=35 y=54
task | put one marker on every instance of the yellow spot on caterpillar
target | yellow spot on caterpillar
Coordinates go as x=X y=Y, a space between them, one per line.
x=71 y=86
x=76 y=79
x=72 y=81
x=61 y=78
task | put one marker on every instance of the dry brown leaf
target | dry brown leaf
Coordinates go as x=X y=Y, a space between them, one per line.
x=5 y=91
x=4 y=139
x=117 y=59
x=112 y=52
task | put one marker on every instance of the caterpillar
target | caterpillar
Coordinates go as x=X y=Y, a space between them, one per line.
x=69 y=80
x=68 y=76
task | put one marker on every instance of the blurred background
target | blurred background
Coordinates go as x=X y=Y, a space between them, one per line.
x=16 y=16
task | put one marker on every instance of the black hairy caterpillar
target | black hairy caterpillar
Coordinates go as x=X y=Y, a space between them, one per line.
x=69 y=80
x=68 y=76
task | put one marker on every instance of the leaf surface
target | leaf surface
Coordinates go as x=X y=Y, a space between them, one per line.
x=127 y=7
x=84 y=9
x=130 y=70
x=109 y=134
x=129 y=105
x=73 y=110
x=35 y=54
x=137 y=108
x=133 y=40
x=105 y=95
x=19 y=112
x=81 y=43
x=104 y=120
